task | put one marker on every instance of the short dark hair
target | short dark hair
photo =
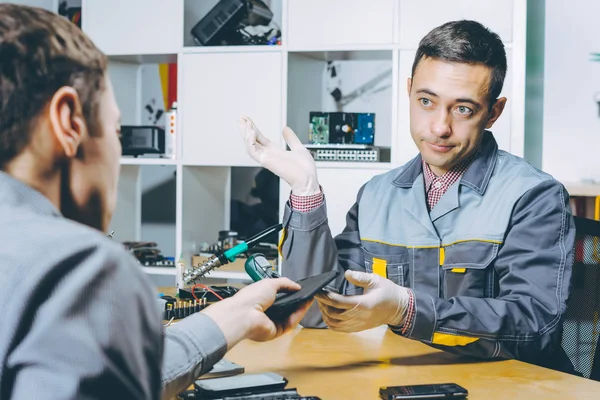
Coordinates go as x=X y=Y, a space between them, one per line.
x=40 y=52
x=467 y=42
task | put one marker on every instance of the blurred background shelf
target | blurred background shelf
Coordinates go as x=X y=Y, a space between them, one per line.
x=182 y=203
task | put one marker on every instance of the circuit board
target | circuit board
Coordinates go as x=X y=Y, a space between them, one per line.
x=318 y=132
x=365 y=128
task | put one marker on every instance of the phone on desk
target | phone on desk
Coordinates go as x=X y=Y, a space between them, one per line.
x=433 y=391
x=223 y=368
x=239 y=385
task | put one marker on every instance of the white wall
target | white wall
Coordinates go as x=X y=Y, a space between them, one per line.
x=242 y=181
x=124 y=78
x=162 y=233
x=377 y=99
x=571 y=142
x=151 y=95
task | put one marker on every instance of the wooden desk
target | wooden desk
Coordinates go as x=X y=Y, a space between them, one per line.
x=335 y=365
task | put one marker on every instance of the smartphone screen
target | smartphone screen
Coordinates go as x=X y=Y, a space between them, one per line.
x=433 y=391
x=241 y=382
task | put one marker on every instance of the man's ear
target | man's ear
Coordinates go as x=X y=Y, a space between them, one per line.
x=497 y=109
x=408 y=85
x=67 y=121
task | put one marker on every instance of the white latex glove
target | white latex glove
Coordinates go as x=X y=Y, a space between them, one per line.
x=296 y=166
x=383 y=303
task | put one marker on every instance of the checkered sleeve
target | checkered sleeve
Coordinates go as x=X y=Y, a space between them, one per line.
x=410 y=316
x=306 y=204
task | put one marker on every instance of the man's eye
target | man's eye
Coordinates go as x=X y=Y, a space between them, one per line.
x=463 y=110
x=425 y=102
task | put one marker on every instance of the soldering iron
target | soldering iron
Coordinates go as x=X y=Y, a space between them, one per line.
x=227 y=256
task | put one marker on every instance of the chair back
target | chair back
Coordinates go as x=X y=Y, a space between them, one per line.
x=581 y=324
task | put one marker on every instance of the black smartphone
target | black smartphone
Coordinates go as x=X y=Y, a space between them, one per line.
x=287 y=303
x=432 y=391
x=245 y=384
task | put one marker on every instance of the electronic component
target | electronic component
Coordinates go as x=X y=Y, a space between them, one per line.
x=284 y=394
x=211 y=293
x=239 y=385
x=347 y=137
x=226 y=23
x=224 y=257
x=364 y=132
x=143 y=139
x=181 y=309
x=432 y=391
x=341 y=127
x=258 y=13
x=318 y=128
x=349 y=153
x=258 y=267
x=220 y=21
x=148 y=254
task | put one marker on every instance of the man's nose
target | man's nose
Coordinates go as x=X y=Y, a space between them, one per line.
x=440 y=125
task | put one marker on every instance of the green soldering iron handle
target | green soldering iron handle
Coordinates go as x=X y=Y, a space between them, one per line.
x=242 y=247
x=235 y=251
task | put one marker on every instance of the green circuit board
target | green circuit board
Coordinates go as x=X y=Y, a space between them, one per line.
x=318 y=128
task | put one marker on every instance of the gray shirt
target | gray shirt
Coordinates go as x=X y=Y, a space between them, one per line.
x=79 y=318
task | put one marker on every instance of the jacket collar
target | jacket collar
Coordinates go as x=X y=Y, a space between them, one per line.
x=476 y=177
x=15 y=193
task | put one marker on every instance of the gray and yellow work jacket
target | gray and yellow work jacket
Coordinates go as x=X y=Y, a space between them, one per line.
x=489 y=265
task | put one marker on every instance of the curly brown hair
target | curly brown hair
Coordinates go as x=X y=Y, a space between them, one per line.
x=40 y=52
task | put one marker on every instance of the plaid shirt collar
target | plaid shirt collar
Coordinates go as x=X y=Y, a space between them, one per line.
x=436 y=186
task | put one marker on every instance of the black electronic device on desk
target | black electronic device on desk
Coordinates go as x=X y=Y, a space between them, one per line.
x=210 y=293
x=148 y=254
x=263 y=386
x=188 y=304
x=433 y=391
x=178 y=309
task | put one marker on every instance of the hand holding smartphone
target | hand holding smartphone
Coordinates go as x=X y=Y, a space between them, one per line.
x=287 y=303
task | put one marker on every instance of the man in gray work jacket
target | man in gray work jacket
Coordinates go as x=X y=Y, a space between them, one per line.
x=79 y=318
x=466 y=247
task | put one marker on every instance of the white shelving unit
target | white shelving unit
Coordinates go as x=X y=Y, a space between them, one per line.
x=279 y=85
x=147 y=161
